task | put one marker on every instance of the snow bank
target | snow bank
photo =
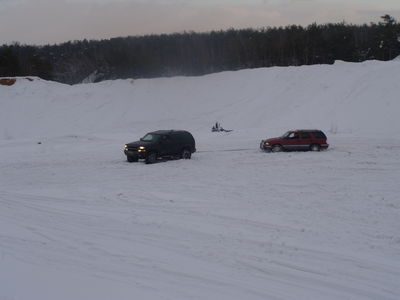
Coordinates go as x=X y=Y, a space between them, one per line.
x=350 y=98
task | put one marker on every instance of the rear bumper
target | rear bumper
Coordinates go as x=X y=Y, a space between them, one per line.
x=324 y=146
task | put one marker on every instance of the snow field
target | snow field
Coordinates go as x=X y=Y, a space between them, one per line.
x=79 y=222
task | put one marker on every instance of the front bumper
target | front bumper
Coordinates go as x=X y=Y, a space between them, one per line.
x=264 y=146
x=135 y=153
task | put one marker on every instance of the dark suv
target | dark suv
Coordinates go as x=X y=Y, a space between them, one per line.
x=161 y=144
x=296 y=140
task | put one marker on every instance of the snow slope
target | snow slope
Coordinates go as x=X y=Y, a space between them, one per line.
x=79 y=222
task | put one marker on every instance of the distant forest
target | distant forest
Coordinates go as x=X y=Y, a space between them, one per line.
x=193 y=54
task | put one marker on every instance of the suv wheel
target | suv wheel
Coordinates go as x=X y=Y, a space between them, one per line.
x=151 y=158
x=276 y=148
x=315 y=147
x=186 y=154
x=131 y=158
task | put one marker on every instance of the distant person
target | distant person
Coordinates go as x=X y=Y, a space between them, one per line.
x=216 y=127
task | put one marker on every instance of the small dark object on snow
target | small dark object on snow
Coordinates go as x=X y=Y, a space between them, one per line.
x=218 y=128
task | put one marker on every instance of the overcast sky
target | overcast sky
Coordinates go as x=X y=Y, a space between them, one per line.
x=56 y=21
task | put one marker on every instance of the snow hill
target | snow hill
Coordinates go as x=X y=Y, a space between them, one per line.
x=346 y=97
x=79 y=222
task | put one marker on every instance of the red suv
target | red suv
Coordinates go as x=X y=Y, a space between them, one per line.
x=296 y=140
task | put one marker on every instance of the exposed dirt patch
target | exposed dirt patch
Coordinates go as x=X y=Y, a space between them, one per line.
x=7 y=81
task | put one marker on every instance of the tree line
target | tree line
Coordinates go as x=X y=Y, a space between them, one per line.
x=193 y=54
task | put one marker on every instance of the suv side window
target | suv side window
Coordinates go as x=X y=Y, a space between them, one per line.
x=165 y=138
x=305 y=135
x=319 y=135
x=177 y=138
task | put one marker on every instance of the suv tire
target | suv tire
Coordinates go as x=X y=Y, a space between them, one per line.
x=151 y=158
x=276 y=148
x=186 y=154
x=315 y=147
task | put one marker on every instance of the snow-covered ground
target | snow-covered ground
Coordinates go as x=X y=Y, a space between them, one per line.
x=79 y=222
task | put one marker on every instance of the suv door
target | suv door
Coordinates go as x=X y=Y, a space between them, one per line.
x=291 y=142
x=177 y=143
x=166 y=145
x=305 y=140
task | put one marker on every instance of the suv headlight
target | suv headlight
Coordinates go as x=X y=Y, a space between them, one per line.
x=126 y=148
x=142 y=149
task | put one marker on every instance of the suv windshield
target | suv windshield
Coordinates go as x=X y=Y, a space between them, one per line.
x=286 y=134
x=150 y=137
